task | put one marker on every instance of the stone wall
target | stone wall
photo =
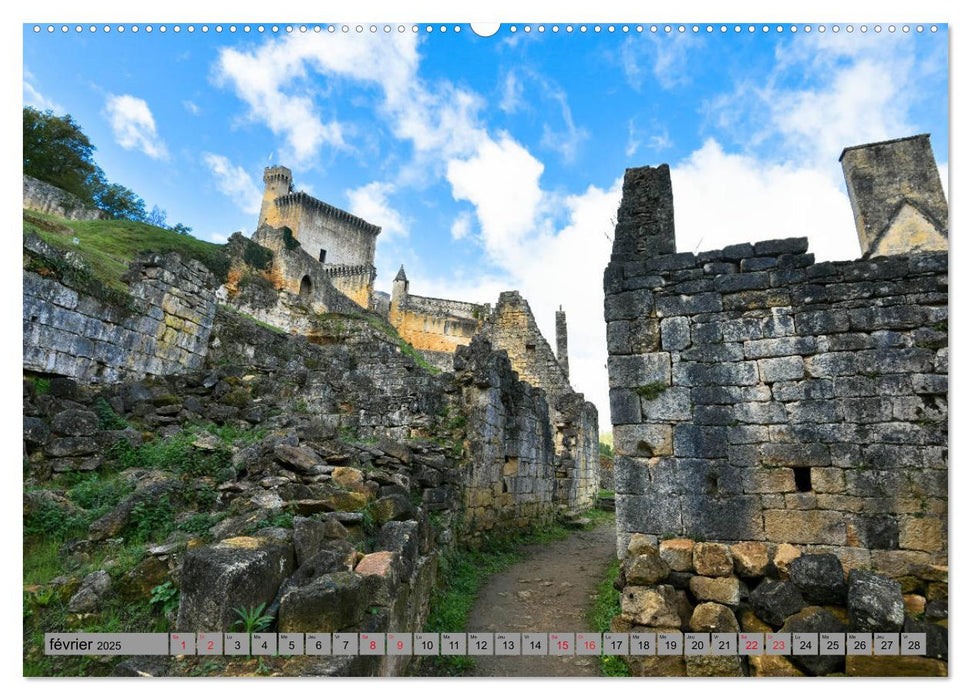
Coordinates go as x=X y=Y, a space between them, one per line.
x=433 y=326
x=511 y=327
x=161 y=327
x=758 y=395
x=511 y=478
x=48 y=199
x=295 y=272
x=683 y=586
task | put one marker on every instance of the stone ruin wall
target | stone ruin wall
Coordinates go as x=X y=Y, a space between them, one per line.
x=512 y=327
x=164 y=330
x=758 y=395
x=49 y=199
x=435 y=327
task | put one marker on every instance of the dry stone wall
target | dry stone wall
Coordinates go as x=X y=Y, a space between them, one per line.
x=162 y=328
x=758 y=395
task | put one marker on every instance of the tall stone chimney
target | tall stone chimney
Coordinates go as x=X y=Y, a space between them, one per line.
x=645 y=219
x=896 y=194
x=562 y=356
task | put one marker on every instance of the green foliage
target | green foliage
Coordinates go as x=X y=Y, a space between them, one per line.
x=176 y=454
x=151 y=519
x=119 y=202
x=651 y=391
x=289 y=241
x=51 y=520
x=109 y=246
x=606 y=450
x=252 y=619
x=108 y=418
x=181 y=229
x=606 y=606
x=98 y=493
x=284 y=520
x=57 y=151
x=940 y=326
x=257 y=256
x=165 y=596
x=42 y=385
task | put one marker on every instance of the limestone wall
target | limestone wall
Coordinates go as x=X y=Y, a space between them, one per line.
x=758 y=395
x=511 y=327
x=344 y=238
x=437 y=326
x=48 y=199
x=68 y=331
x=341 y=289
x=511 y=478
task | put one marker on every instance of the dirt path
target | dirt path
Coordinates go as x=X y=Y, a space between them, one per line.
x=549 y=591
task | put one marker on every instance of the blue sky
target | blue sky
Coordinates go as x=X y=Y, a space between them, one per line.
x=495 y=163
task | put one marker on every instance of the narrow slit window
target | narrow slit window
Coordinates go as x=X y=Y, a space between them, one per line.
x=804 y=482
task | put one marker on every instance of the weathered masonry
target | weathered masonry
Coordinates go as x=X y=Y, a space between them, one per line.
x=759 y=395
x=342 y=243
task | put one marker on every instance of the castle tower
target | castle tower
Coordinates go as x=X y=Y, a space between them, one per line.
x=277 y=181
x=896 y=194
x=399 y=288
x=562 y=355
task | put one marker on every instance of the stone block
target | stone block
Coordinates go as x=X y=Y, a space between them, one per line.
x=726 y=590
x=783 y=556
x=712 y=559
x=921 y=533
x=330 y=603
x=685 y=305
x=652 y=606
x=775 y=369
x=750 y=559
x=805 y=527
x=774 y=601
x=675 y=333
x=768 y=481
x=646 y=569
x=773 y=667
x=713 y=617
x=894 y=666
x=625 y=407
x=678 y=553
x=731 y=518
x=779 y=347
x=647 y=514
x=644 y=440
x=714 y=666
x=672 y=404
x=819 y=577
x=631 y=371
x=794 y=455
x=241 y=572
x=875 y=603
x=706 y=442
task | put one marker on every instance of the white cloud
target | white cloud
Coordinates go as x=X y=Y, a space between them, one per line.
x=134 y=126
x=721 y=199
x=502 y=182
x=34 y=98
x=191 y=107
x=234 y=182
x=512 y=93
x=666 y=55
x=370 y=202
x=461 y=226
x=566 y=141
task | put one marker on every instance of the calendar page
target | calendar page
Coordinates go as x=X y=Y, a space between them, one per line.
x=668 y=397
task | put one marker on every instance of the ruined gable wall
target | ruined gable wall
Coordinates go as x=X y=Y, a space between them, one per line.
x=511 y=327
x=758 y=395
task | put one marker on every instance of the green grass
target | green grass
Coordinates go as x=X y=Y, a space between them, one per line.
x=651 y=391
x=605 y=607
x=108 y=246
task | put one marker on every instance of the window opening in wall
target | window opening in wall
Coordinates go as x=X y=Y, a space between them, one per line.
x=323 y=255
x=306 y=286
x=530 y=347
x=711 y=484
x=803 y=479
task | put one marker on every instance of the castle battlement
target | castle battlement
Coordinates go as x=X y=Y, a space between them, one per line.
x=347 y=270
x=304 y=200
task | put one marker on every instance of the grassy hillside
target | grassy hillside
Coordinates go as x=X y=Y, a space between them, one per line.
x=108 y=246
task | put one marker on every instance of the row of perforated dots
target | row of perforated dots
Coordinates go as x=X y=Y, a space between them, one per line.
x=541 y=28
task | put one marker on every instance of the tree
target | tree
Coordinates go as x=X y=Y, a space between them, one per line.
x=58 y=152
x=182 y=229
x=120 y=202
x=157 y=217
